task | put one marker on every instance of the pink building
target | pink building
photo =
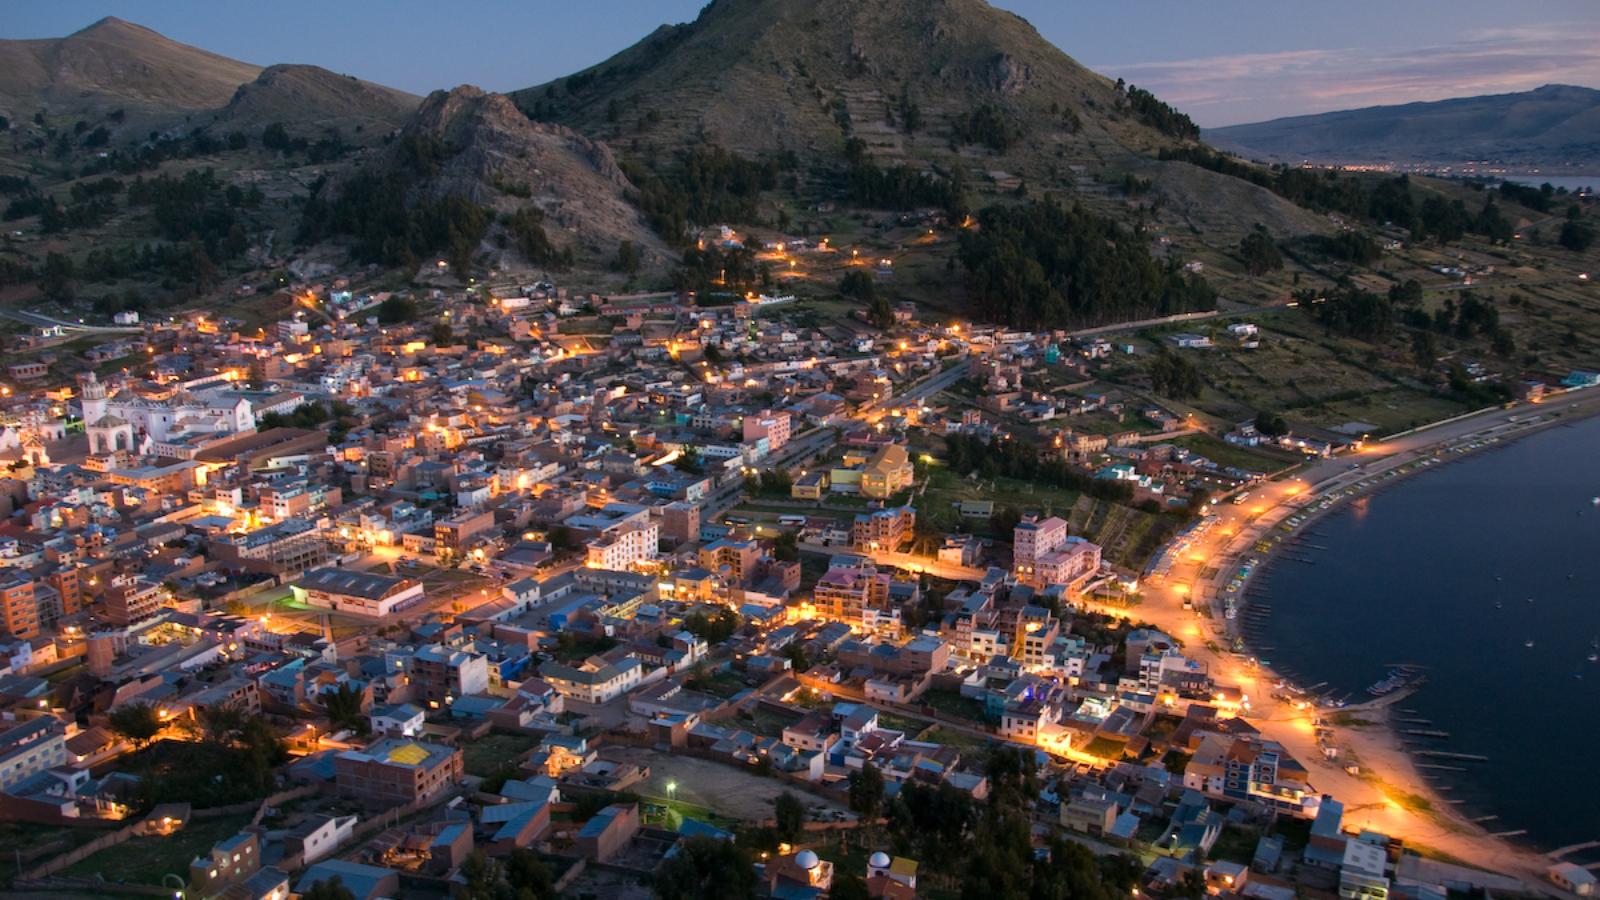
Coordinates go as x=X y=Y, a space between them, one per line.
x=774 y=426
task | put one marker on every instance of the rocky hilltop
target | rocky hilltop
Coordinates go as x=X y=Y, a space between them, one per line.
x=497 y=157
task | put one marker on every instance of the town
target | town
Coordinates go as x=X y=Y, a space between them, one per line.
x=410 y=589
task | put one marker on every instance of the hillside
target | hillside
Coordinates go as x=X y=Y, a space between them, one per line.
x=311 y=96
x=804 y=75
x=1554 y=126
x=486 y=151
x=114 y=65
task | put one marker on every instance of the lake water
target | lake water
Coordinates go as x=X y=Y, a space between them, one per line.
x=1438 y=571
x=1571 y=182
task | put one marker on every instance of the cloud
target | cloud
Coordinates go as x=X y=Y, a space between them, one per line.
x=1225 y=90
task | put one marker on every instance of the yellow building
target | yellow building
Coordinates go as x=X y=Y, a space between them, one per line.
x=887 y=472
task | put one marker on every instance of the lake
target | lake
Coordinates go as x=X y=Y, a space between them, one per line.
x=1572 y=183
x=1458 y=570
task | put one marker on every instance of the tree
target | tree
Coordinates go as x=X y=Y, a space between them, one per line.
x=344 y=707
x=220 y=722
x=1576 y=235
x=796 y=654
x=706 y=867
x=1173 y=376
x=137 y=722
x=442 y=334
x=1260 y=254
x=396 y=309
x=790 y=814
x=56 y=280
x=628 y=258
x=1271 y=424
x=786 y=546
x=866 y=793
x=1424 y=349
x=847 y=885
x=1005 y=520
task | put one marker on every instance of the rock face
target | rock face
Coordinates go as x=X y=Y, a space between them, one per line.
x=495 y=154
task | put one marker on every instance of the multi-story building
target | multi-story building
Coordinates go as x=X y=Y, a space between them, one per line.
x=440 y=674
x=887 y=472
x=397 y=771
x=454 y=535
x=30 y=748
x=845 y=594
x=1043 y=553
x=741 y=557
x=883 y=530
x=133 y=600
x=1032 y=539
x=681 y=522
x=770 y=424
x=594 y=684
x=19 y=611
x=230 y=862
x=1252 y=770
x=625 y=548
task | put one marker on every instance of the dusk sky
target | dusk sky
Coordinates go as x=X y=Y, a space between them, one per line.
x=1222 y=62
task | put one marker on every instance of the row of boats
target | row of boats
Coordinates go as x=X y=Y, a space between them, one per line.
x=1396 y=679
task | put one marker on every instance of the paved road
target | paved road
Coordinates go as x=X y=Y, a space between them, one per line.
x=33 y=318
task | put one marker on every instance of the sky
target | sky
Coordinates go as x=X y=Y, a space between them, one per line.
x=1223 y=62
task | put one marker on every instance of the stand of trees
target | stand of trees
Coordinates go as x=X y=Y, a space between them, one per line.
x=987 y=125
x=1160 y=116
x=372 y=208
x=709 y=184
x=1020 y=460
x=1046 y=266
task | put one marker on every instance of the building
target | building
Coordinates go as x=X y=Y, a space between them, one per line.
x=883 y=530
x=231 y=861
x=1573 y=877
x=317 y=837
x=454 y=536
x=844 y=594
x=361 y=593
x=133 y=601
x=363 y=882
x=623 y=550
x=1043 y=553
x=680 y=522
x=397 y=771
x=887 y=472
x=30 y=748
x=1252 y=770
x=772 y=425
x=19 y=611
x=594 y=684
x=440 y=674
x=609 y=833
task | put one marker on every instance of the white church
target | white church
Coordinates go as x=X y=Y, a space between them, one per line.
x=127 y=421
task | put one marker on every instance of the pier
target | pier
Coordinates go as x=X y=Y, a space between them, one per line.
x=1571 y=848
x=1445 y=754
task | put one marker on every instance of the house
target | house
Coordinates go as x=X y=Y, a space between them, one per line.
x=594 y=684
x=1189 y=341
x=231 y=861
x=1090 y=815
x=609 y=833
x=1573 y=877
x=403 y=720
x=317 y=837
x=363 y=882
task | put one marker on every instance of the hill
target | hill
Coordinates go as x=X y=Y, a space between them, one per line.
x=114 y=65
x=308 y=95
x=908 y=77
x=1553 y=126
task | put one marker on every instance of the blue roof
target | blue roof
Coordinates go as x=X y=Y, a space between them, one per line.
x=361 y=880
x=693 y=827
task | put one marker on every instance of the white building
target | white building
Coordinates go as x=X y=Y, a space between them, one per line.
x=361 y=593
x=624 y=549
x=594 y=685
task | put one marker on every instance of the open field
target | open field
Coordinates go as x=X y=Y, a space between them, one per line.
x=144 y=860
x=730 y=791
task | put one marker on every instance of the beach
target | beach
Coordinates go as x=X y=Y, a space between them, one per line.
x=1387 y=791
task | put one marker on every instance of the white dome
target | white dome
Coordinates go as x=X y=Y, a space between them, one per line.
x=807 y=860
x=879 y=860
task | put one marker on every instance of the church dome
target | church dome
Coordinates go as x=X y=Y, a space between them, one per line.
x=807 y=860
x=879 y=860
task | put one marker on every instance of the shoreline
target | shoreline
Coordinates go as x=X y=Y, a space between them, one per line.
x=1386 y=765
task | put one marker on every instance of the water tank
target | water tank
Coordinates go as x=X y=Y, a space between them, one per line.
x=807 y=860
x=879 y=860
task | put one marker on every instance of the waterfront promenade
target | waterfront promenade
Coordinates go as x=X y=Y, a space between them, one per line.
x=1386 y=792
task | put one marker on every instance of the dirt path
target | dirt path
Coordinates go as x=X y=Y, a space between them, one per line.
x=728 y=790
